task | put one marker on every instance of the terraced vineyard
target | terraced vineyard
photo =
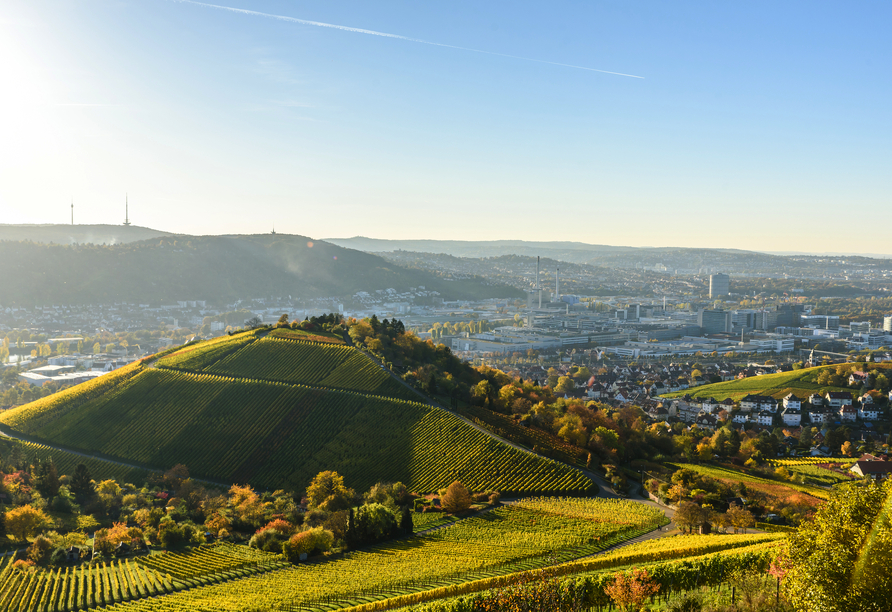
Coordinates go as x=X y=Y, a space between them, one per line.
x=772 y=488
x=278 y=434
x=77 y=587
x=505 y=540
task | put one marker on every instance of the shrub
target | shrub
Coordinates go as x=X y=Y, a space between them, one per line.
x=457 y=499
x=310 y=542
x=269 y=540
x=40 y=550
x=374 y=523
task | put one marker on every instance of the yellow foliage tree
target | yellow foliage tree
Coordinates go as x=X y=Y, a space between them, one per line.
x=457 y=499
x=26 y=521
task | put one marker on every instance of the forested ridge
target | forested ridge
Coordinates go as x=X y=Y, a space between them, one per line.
x=214 y=268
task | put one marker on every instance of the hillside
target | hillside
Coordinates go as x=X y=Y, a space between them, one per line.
x=214 y=268
x=273 y=412
x=801 y=383
x=78 y=234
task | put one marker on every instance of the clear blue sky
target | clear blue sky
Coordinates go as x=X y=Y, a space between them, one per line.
x=758 y=125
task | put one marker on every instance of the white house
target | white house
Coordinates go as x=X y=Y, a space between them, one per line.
x=818 y=414
x=848 y=413
x=791 y=401
x=792 y=416
x=836 y=399
x=763 y=418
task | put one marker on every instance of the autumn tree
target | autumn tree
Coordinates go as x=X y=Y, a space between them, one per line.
x=689 y=516
x=246 y=504
x=327 y=492
x=457 y=499
x=740 y=518
x=565 y=384
x=26 y=521
x=840 y=559
x=629 y=590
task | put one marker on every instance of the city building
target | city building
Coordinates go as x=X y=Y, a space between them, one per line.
x=714 y=321
x=718 y=285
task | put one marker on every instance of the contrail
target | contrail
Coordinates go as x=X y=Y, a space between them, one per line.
x=321 y=24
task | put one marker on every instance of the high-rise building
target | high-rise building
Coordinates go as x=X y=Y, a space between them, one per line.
x=718 y=285
x=887 y=323
x=714 y=321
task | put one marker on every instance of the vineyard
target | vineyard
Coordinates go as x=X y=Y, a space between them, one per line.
x=67 y=462
x=276 y=435
x=502 y=541
x=207 y=564
x=504 y=426
x=197 y=357
x=822 y=471
x=809 y=461
x=412 y=572
x=314 y=336
x=77 y=587
x=800 y=383
x=772 y=488
x=310 y=363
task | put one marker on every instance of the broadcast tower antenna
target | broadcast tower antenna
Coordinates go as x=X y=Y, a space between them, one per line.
x=126 y=211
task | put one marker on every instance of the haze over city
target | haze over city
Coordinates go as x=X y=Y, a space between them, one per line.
x=751 y=126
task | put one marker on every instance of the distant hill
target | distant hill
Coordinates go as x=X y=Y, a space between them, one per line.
x=274 y=409
x=801 y=383
x=581 y=253
x=78 y=234
x=214 y=268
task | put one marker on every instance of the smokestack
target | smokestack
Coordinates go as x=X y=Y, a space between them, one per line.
x=538 y=290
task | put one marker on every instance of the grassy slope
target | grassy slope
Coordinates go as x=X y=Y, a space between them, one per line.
x=808 y=494
x=800 y=383
x=236 y=426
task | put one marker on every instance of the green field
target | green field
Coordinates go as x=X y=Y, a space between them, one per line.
x=227 y=422
x=798 y=382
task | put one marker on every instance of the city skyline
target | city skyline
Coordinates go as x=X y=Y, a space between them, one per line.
x=752 y=127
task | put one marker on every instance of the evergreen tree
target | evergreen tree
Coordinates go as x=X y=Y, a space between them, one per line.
x=406 y=525
x=350 y=537
x=82 y=483
x=2 y=524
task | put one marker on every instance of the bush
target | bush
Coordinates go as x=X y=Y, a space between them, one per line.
x=311 y=542
x=687 y=602
x=268 y=540
x=40 y=550
x=59 y=557
x=373 y=523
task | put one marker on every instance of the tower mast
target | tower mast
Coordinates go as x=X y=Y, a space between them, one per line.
x=72 y=211
x=126 y=211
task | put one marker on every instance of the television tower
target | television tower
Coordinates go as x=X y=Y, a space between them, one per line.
x=72 y=211
x=126 y=211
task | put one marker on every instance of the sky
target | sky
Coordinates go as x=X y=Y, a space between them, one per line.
x=757 y=125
